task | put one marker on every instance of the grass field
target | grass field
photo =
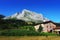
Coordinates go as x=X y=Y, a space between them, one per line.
x=29 y=38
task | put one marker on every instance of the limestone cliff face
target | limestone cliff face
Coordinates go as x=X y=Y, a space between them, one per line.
x=27 y=15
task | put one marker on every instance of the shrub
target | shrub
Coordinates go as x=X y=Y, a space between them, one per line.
x=31 y=28
x=47 y=34
x=40 y=29
x=23 y=32
x=18 y=33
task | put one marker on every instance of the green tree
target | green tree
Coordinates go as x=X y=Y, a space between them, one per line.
x=40 y=29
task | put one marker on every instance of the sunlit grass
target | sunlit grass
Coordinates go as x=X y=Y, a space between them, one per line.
x=29 y=38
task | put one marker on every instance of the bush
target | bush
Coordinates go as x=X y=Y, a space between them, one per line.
x=18 y=33
x=40 y=29
x=31 y=28
x=21 y=32
x=47 y=34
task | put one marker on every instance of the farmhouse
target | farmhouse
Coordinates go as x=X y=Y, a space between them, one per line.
x=48 y=26
x=57 y=29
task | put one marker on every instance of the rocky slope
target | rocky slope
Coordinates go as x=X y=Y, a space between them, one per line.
x=28 y=16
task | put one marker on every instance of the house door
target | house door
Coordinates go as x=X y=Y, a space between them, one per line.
x=59 y=32
x=50 y=31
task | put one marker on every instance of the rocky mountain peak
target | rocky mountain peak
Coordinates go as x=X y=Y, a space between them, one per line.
x=27 y=15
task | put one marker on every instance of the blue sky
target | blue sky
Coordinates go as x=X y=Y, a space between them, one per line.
x=49 y=8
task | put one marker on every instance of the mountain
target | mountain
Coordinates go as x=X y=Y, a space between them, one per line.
x=28 y=16
x=1 y=16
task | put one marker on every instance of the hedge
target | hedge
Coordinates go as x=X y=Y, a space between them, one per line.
x=20 y=32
